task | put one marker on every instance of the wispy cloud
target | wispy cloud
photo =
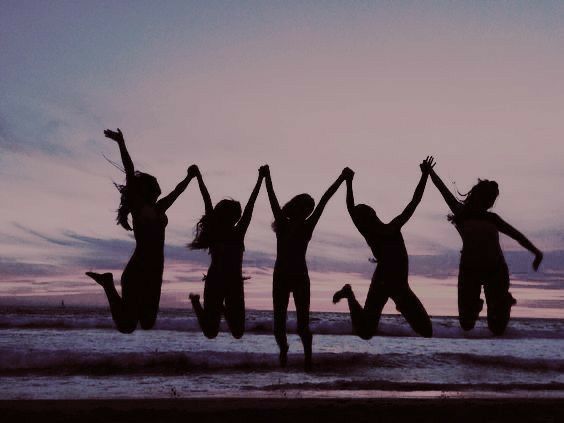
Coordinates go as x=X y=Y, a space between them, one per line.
x=86 y=252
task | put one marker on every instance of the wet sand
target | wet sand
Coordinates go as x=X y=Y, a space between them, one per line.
x=286 y=410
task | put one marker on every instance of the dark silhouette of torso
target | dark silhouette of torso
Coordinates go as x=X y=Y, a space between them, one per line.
x=480 y=240
x=227 y=254
x=388 y=247
x=149 y=225
x=292 y=240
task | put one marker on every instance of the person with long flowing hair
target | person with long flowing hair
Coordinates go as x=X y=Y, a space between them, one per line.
x=390 y=279
x=294 y=225
x=482 y=262
x=142 y=278
x=221 y=231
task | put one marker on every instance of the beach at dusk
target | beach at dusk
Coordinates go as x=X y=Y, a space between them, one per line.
x=257 y=210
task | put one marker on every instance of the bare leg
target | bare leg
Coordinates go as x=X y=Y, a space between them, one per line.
x=469 y=302
x=235 y=308
x=150 y=300
x=365 y=320
x=280 y=296
x=123 y=313
x=376 y=299
x=413 y=311
x=208 y=316
x=358 y=318
x=302 y=301
x=499 y=300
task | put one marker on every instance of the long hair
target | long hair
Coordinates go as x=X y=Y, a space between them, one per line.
x=143 y=189
x=479 y=199
x=201 y=234
x=299 y=207
x=212 y=226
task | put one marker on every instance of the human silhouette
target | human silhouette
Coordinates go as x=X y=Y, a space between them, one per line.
x=482 y=261
x=390 y=279
x=294 y=224
x=142 y=278
x=222 y=232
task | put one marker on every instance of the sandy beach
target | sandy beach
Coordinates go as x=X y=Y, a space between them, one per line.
x=282 y=410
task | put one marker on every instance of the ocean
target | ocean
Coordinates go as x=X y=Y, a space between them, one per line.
x=75 y=353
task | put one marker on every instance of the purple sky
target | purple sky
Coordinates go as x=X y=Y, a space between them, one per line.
x=307 y=87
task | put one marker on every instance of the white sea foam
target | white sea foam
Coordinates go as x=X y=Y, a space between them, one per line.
x=76 y=352
x=261 y=322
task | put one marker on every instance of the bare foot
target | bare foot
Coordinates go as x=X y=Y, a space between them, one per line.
x=104 y=279
x=344 y=292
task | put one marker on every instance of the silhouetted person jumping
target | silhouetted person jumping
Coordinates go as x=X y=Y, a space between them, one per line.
x=294 y=224
x=142 y=278
x=482 y=261
x=390 y=279
x=222 y=232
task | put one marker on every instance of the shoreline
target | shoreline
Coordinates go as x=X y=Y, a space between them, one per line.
x=282 y=410
x=9 y=305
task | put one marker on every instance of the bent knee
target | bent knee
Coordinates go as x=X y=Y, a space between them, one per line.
x=424 y=328
x=238 y=333
x=497 y=330
x=211 y=333
x=365 y=335
x=148 y=323
x=365 y=332
x=426 y=332
x=497 y=327
x=237 y=329
x=467 y=324
x=127 y=327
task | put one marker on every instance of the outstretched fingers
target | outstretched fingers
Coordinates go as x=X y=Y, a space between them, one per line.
x=428 y=164
x=114 y=135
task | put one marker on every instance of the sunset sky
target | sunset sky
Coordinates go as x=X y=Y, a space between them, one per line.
x=307 y=87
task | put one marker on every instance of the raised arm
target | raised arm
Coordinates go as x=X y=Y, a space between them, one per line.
x=205 y=194
x=450 y=199
x=426 y=167
x=314 y=218
x=511 y=232
x=274 y=205
x=245 y=220
x=125 y=157
x=167 y=201
x=350 y=196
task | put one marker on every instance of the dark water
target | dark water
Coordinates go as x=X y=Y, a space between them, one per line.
x=76 y=353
